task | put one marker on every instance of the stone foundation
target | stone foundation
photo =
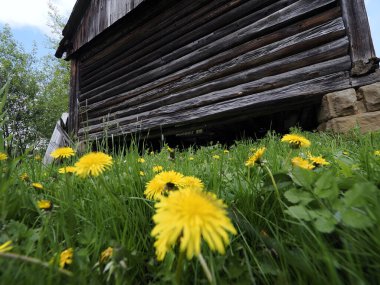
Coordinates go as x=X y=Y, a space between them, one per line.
x=344 y=110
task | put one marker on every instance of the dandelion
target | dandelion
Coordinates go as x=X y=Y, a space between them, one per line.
x=67 y=169
x=157 y=168
x=256 y=157
x=37 y=157
x=45 y=205
x=3 y=156
x=302 y=163
x=318 y=160
x=191 y=158
x=24 y=177
x=66 y=257
x=140 y=160
x=93 y=164
x=142 y=173
x=170 y=149
x=216 y=157
x=7 y=246
x=37 y=186
x=226 y=151
x=377 y=152
x=192 y=183
x=62 y=152
x=296 y=141
x=106 y=254
x=186 y=216
x=162 y=183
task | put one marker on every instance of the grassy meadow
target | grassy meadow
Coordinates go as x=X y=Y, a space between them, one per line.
x=296 y=221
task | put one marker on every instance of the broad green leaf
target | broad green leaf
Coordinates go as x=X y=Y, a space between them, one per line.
x=326 y=186
x=298 y=196
x=360 y=195
x=356 y=218
x=299 y=212
x=303 y=177
x=325 y=221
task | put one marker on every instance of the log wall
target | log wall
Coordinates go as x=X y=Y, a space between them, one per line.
x=204 y=61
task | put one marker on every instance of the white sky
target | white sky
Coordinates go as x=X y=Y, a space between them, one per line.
x=31 y=13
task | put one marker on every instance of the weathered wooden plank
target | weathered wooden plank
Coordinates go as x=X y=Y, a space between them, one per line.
x=125 y=37
x=271 y=83
x=179 y=80
x=189 y=35
x=362 y=51
x=313 y=87
x=73 y=121
x=58 y=139
x=272 y=54
x=200 y=50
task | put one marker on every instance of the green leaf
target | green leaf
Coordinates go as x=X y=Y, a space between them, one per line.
x=356 y=218
x=325 y=221
x=295 y=196
x=299 y=212
x=360 y=195
x=326 y=186
x=302 y=177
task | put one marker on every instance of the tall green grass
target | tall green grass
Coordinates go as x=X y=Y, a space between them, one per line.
x=273 y=246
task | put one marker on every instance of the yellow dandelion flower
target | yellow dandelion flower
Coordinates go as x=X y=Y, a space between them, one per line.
x=67 y=169
x=142 y=173
x=187 y=215
x=37 y=157
x=37 y=185
x=216 y=157
x=226 y=151
x=3 y=156
x=93 y=164
x=24 y=177
x=302 y=163
x=170 y=149
x=192 y=182
x=191 y=158
x=106 y=254
x=66 y=257
x=62 y=152
x=45 y=205
x=7 y=246
x=140 y=160
x=296 y=141
x=256 y=157
x=318 y=160
x=162 y=183
x=377 y=152
x=157 y=168
x=152 y=152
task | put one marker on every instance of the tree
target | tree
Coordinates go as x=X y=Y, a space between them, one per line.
x=18 y=67
x=53 y=99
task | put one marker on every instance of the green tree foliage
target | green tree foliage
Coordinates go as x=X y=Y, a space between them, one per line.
x=19 y=68
x=38 y=89
x=55 y=79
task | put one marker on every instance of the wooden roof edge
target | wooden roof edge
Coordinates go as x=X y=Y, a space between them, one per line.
x=71 y=25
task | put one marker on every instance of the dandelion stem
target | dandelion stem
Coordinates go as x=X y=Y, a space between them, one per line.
x=205 y=267
x=178 y=271
x=34 y=261
x=273 y=181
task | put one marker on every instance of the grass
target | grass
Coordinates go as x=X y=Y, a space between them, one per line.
x=322 y=227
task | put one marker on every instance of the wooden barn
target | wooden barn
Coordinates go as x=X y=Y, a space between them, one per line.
x=187 y=68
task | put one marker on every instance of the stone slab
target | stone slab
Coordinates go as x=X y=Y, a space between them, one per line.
x=371 y=96
x=338 y=104
x=366 y=121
